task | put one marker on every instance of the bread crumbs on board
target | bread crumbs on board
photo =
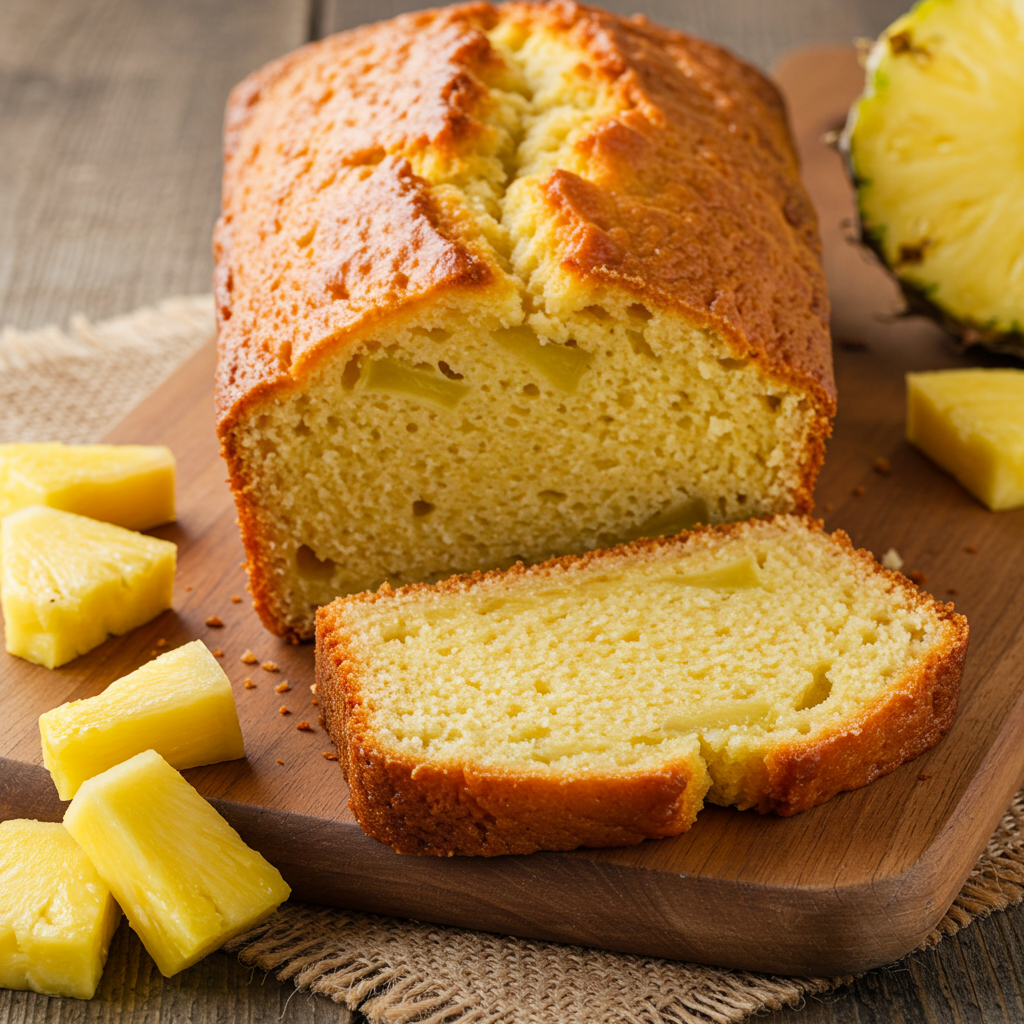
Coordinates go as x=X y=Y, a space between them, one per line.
x=282 y=710
x=249 y=684
x=304 y=727
x=269 y=666
x=249 y=658
x=330 y=755
x=282 y=687
x=214 y=622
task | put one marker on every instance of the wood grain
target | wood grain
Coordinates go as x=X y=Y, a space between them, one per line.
x=110 y=145
x=851 y=884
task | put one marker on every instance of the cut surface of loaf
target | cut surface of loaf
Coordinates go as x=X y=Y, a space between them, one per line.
x=508 y=282
x=600 y=700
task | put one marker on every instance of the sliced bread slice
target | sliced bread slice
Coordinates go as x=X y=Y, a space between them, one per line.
x=598 y=700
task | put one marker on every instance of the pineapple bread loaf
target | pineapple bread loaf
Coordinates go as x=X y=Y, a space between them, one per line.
x=508 y=282
x=599 y=700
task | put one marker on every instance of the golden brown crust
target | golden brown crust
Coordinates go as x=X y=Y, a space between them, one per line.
x=420 y=807
x=912 y=717
x=445 y=810
x=691 y=200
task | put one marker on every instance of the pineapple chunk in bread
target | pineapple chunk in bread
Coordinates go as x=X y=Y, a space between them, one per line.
x=508 y=282
x=599 y=700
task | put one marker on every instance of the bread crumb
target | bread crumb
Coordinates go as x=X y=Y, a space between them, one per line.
x=214 y=622
x=891 y=560
x=282 y=687
x=249 y=684
x=923 y=778
x=857 y=492
x=917 y=577
x=161 y=642
x=279 y=761
x=315 y=702
x=312 y=687
x=235 y=599
x=330 y=755
x=283 y=710
x=217 y=652
x=269 y=666
x=882 y=465
x=249 y=658
x=971 y=549
x=303 y=727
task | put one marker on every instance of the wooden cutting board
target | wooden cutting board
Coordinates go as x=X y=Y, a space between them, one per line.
x=844 y=887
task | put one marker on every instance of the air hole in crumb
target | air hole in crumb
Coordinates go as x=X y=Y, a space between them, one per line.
x=552 y=497
x=640 y=312
x=598 y=313
x=542 y=686
x=401 y=281
x=531 y=389
x=312 y=567
x=819 y=690
x=305 y=239
x=266 y=446
x=411 y=427
x=302 y=430
x=352 y=372
x=773 y=402
x=422 y=508
x=332 y=423
x=448 y=371
x=732 y=364
x=639 y=345
x=741 y=499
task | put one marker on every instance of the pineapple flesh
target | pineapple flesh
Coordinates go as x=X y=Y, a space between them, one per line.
x=128 y=485
x=179 y=705
x=936 y=149
x=68 y=582
x=971 y=422
x=185 y=880
x=57 y=916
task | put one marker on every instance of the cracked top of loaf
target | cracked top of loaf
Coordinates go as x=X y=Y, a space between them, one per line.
x=510 y=155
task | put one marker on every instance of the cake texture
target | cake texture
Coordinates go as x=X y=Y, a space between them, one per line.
x=500 y=283
x=600 y=700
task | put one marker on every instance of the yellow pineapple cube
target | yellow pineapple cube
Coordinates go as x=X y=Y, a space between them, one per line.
x=131 y=485
x=971 y=422
x=179 y=705
x=183 y=877
x=57 y=915
x=68 y=582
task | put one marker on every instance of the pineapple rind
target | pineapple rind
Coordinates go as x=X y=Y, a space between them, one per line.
x=70 y=581
x=128 y=485
x=56 y=914
x=971 y=423
x=180 y=705
x=186 y=881
x=937 y=150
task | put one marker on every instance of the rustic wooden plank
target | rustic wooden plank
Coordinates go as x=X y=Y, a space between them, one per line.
x=110 y=145
x=759 y=32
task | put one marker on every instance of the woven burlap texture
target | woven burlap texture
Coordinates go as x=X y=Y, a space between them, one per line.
x=74 y=385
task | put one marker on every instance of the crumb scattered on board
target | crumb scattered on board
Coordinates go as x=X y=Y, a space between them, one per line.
x=282 y=687
x=283 y=710
x=891 y=560
x=214 y=622
x=269 y=666
x=249 y=658
x=249 y=684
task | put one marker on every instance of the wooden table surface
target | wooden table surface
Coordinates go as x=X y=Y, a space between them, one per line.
x=110 y=116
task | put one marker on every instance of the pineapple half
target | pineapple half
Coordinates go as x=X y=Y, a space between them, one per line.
x=57 y=915
x=68 y=582
x=131 y=485
x=180 y=705
x=185 y=880
x=936 y=148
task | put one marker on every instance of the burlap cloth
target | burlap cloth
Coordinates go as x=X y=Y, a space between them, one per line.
x=73 y=386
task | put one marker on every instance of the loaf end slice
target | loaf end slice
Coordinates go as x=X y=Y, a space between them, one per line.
x=599 y=700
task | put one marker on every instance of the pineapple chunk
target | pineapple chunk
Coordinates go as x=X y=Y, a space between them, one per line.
x=129 y=485
x=186 y=881
x=68 y=582
x=971 y=422
x=937 y=155
x=57 y=916
x=180 y=705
